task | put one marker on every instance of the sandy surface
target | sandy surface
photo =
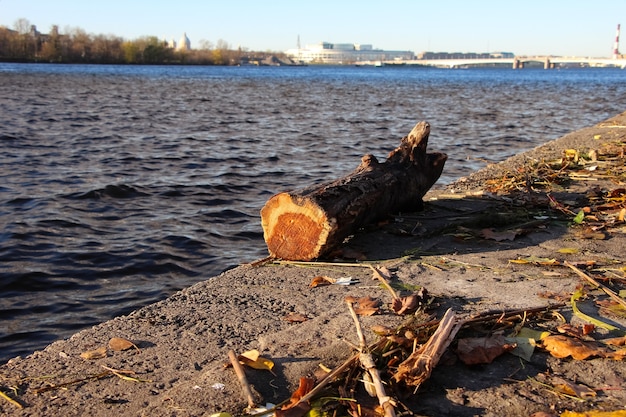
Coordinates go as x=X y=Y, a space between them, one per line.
x=183 y=342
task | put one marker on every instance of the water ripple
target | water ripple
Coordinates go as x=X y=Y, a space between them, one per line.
x=121 y=185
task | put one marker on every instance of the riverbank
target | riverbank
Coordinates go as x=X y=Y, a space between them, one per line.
x=497 y=240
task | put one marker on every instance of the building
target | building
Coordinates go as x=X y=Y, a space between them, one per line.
x=344 y=53
x=184 y=44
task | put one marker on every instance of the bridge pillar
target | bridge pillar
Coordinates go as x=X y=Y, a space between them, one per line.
x=517 y=64
x=547 y=64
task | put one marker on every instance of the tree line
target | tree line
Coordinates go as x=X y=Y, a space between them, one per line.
x=25 y=44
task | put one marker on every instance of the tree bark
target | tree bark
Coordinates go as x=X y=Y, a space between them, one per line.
x=307 y=224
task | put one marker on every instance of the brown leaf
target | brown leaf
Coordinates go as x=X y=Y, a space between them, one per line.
x=561 y=346
x=366 y=306
x=383 y=330
x=591 y=234
x=293 y=408
x=406 y=305
x=99 y=353
x=295 y=318
x=119 y=344
x=480 y=350
x=321 y=281
x=570 y=388
x=612 y=307
x=577 y=332
x=367 y=311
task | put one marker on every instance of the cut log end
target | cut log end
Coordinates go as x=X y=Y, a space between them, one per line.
x=307 y=224
x=295 y=228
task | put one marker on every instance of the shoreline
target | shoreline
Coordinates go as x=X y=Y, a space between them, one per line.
x=182 y=342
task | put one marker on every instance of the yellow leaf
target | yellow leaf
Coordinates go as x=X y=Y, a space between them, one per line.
x=95 y=354
x=568 y=250
x=519 y=261
x=253 y=359
x=529 y=333
x=571 y=154
x=250 y=355
x=535 y=260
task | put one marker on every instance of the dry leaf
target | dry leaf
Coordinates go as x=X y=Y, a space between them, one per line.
x=612 y=307
x=535 y=260
x=578 y=332
x=294 y=408
x=479 y=350
x=570 y=388
x=381 y=330
x=119 y=344
x=295 y=318
x=568 y=250
x=366 y=306
x=561 y=346
x=253 y=359
x=95 y=354
x=405 y=305
x=321 y=281
x=591 y=234
x=571 y=154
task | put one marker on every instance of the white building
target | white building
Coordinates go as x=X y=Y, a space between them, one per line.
x=344 y=53
x=184 y=44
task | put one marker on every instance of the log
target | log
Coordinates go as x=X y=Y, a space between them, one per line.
x=307 y=224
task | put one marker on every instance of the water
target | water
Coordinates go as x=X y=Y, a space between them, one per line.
x=120 y=185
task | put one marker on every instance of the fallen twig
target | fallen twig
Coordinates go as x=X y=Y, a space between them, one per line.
x=370 y=366
x=243 y=381
x=75 y=381
x=597 y=284
x=382 y=279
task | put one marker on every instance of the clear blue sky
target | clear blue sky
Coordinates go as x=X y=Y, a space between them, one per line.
x=559 y=27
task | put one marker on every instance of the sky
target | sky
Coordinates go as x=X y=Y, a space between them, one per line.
x=530 y=27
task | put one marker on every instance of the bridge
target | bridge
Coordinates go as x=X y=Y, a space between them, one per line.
x=517 y=62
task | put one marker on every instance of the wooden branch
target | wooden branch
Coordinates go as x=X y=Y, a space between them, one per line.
x=418 y=367
x=309 y=223
x=596 y=284
x=379 y=276
x=243 y=381
x=367 y=362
